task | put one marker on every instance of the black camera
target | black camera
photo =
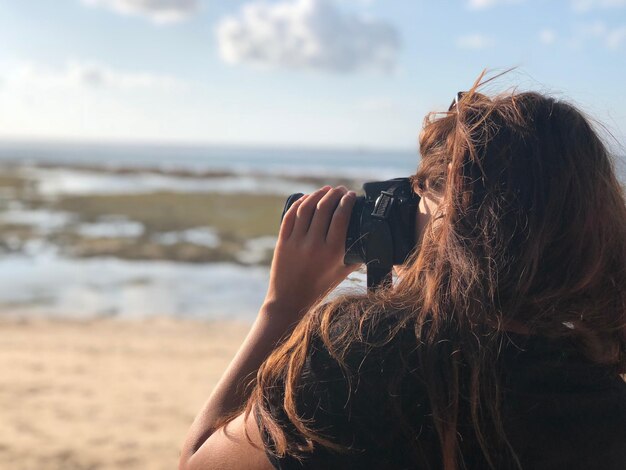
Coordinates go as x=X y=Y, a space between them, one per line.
x=381 y=233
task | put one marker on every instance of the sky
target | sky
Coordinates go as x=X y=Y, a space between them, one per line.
x=305 y=73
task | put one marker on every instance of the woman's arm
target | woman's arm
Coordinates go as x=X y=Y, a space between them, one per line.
x=229 y=393
x=307 y=263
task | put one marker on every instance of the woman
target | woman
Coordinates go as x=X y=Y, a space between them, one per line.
x=500 y=346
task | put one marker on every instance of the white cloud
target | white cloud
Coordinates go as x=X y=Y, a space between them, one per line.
x=84 y=74
x=611 y=38
x=616 y=37
x=88 y=100
x=474 y=41
x=306 y=34
x=484 y=4
x=547 y=36
x=582 y=6
x=158 y=11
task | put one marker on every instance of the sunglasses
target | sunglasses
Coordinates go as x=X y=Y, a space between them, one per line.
x=456 y=100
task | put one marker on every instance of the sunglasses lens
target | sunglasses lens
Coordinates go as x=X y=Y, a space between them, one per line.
x=456 y=100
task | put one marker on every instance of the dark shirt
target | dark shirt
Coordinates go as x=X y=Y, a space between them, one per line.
x=560 y=411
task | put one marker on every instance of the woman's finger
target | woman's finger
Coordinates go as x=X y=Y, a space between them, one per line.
x=305 y=212
x=348 y=269
x=324 y=213
x=289 y=220
x=341 y=218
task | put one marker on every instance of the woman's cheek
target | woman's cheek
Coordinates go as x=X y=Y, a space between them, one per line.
x=422 y=218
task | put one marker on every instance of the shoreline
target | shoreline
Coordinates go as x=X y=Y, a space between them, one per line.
x=106 y=393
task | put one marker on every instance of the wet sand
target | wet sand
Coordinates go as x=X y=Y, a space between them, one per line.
x=105 y=394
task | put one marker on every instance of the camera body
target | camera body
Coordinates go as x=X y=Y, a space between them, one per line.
x=381 y=232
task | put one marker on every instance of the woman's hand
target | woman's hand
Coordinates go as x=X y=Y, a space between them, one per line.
x=308 y=259
x=308 y=262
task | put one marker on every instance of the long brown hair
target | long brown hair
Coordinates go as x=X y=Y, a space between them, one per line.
x=531 y=230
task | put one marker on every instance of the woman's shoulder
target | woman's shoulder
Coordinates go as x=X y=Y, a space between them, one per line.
x=369 y=348
x=373 y=348
x=360 y=388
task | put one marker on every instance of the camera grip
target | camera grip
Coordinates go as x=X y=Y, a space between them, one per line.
x=290 y=200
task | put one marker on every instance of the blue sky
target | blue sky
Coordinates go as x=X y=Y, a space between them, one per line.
x=349 y=73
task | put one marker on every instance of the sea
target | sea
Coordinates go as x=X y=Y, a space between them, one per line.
x=39 y=279
x=244 y=160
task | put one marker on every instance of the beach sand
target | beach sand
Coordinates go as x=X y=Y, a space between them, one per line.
x=105 y=394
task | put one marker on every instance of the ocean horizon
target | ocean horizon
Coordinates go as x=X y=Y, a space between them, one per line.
x=92 y=229
x=345 y=162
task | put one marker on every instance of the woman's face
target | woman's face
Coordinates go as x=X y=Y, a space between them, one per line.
x=427 y=207
x=429 y=203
